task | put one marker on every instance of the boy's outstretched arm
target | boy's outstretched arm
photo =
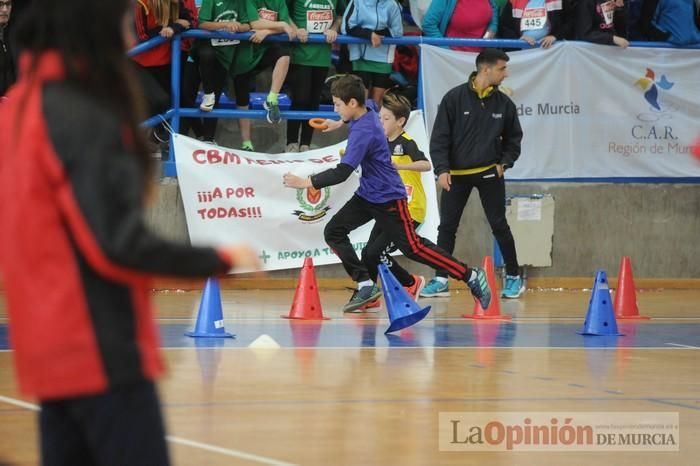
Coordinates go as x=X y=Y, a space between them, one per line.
x=329 y=177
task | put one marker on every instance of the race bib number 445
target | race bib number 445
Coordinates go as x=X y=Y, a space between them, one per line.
x=318 y=20
x=533 y=19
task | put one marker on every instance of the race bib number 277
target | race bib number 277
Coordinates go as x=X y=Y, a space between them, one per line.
x=318 y=20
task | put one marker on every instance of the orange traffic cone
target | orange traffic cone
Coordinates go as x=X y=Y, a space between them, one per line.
x=625 y=295
x=307 y=302
x=494 y=309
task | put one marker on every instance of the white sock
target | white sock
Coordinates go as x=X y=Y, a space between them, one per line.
x=441 y=280
x=473 y=275
x=364 y=283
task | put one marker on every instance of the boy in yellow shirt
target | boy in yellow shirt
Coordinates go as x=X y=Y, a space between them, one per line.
x=410 y=161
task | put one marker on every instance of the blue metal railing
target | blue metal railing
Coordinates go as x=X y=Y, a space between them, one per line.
x=176 y=112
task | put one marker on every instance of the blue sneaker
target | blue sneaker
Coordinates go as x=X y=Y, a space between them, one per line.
x=514 y=287
x=273 y=112
x=435 y=289
x=479 y=287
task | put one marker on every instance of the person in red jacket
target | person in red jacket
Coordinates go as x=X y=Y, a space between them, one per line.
x=159 y=18
x=75 y=255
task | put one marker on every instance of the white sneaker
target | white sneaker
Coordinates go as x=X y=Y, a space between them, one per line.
x=208 y=101
x=303 y=148
x=292 y=147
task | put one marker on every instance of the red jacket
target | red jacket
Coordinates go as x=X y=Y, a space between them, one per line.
x=147 y=27
x=75 y=255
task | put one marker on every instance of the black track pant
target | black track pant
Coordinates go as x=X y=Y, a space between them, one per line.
x=492 y=191
x=380 y=243
x=394 y=219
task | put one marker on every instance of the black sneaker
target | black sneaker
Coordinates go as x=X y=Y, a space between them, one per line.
x=360 y=297
x=273 y=112
x=479 y=287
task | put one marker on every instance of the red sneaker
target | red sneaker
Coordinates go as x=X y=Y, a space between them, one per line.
x=415 y=289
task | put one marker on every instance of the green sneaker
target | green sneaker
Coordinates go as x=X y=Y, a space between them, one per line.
x=273 y=112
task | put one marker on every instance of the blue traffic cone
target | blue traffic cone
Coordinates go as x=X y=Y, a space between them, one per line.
x=210 y=318
x=600 y=319
x=403 y=310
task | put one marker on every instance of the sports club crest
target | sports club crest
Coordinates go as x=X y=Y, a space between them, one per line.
x=313 y=202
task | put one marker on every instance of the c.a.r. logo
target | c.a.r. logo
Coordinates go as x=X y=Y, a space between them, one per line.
x=651 y=87
x=313 y=202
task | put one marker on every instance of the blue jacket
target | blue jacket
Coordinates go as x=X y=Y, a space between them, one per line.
x=675 y=21
x=440 y=12
x=362 y=17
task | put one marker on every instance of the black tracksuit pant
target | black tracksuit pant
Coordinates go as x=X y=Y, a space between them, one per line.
x=394 y=219
x=380 y=241
x=492 y=191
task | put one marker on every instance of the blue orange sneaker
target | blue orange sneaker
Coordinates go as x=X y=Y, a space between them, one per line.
x=479 y=287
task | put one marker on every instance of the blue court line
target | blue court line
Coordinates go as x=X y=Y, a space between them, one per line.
x=347 y=333
x=435 y=334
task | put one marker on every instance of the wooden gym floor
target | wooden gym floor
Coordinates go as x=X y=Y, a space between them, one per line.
x=340 y=392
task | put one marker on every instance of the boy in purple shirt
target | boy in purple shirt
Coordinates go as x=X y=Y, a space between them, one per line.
x=381 y=196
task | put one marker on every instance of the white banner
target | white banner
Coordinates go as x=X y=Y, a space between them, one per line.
x=590 y=111
x=233 y=196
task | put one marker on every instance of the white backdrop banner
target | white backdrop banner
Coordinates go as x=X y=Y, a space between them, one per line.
x=590 y=111
x=233 y=196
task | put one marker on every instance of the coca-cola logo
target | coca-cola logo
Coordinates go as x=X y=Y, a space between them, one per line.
x=269 y=15
x=320 y=15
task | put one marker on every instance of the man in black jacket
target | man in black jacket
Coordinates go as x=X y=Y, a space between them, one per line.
x=476 y=137
x=7 y=62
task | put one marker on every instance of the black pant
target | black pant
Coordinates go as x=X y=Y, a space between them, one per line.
x=203 y=128
x=395 y=221
x=305 y=84
x=243 y=83
x=492 y=191
x=120 y=427
x=379 y=243
x=213 y=76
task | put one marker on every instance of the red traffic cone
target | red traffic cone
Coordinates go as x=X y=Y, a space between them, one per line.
x=625 y=295
x=494 y=309
x=307 y=302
